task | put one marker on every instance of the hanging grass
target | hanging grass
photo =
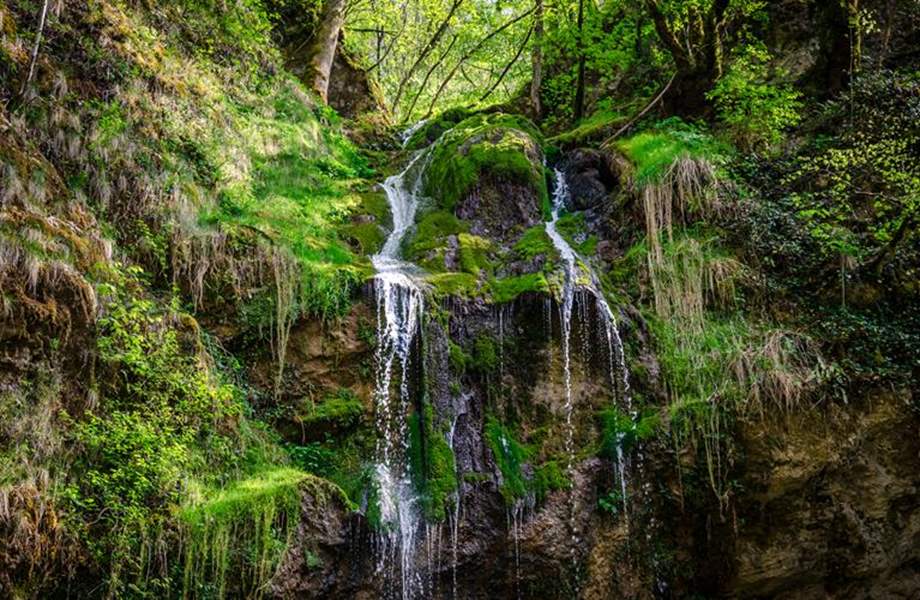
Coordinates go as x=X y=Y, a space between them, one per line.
x=234 y=537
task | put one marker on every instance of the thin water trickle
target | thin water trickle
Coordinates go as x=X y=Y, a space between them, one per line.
x=607 y=320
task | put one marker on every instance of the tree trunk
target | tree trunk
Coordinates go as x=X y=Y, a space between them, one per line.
x=536 y=81
x=38 y=42
x=325 y=42
x=579 y=108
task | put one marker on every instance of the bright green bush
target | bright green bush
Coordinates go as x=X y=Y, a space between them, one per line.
x=755 y=111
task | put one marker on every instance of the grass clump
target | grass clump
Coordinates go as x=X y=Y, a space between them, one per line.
x=652 y=152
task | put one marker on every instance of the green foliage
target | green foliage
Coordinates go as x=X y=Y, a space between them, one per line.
x=755 y=111
x=654 y=151
x=860 y=191
x=235 y=536
x=163 y=418
x=432 y=463
x=420 y=74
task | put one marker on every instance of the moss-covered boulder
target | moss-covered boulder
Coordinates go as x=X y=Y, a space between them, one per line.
x=488 y=171
x=482 y=233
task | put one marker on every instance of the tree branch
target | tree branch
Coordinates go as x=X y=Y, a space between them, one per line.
x=432 y=43
x=509 y=65
x=668 y=38
x=35 y=47
x=428 y=76
x=470 y=53
x=632 y=122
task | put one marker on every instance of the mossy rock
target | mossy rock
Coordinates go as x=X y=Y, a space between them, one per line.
x=486 y=148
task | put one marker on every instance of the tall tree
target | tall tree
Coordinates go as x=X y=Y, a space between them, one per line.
x=579 y=108
x=699 y=56
x=324 y=45
x=536 y=81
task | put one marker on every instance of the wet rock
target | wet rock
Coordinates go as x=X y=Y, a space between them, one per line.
x=591 y=176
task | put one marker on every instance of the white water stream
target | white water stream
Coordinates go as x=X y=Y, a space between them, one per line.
x=616 y=360
x=400 y=306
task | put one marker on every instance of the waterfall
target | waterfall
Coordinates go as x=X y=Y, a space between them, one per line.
x=400 y=306
x=616 y=359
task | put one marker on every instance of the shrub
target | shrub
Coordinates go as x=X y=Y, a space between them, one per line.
x=755 y=111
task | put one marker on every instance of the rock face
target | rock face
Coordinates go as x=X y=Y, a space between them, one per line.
x=832 y=505
x=351 y=92
x=822 y=504
x=592 y=176
x=508 y=541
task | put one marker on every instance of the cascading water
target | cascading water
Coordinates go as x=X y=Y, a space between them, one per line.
x=616 y=360
x=400 y=305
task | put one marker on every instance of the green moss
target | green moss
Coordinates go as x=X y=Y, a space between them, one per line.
x=428 y=242
x=474 y=253
x=484 y=145
x=597 y=125
x=369 y=237
x=342 y=410
x=535 y=242
x=376 y=205
x=655 y=150
x=572 y=227
x=432 y=462
x=461 y=285
x=510 y=456
x=437 y=125
x=507 y=289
